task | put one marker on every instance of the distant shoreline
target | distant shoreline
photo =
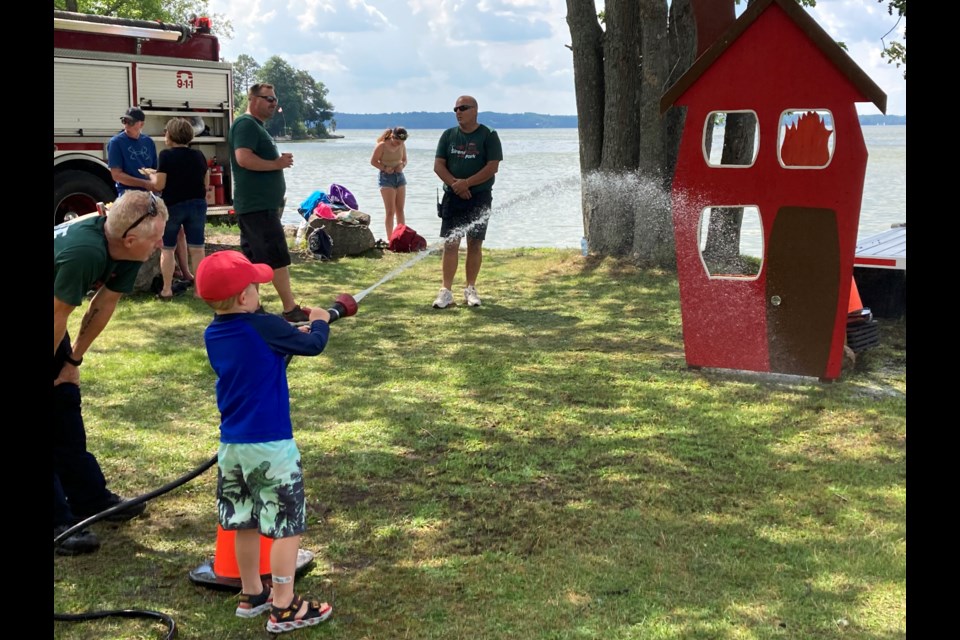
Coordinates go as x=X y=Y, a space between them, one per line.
x=444 y=120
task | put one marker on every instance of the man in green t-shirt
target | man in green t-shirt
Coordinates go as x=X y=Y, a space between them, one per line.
x=259 y=191
x=102 y=253
x=467 y=159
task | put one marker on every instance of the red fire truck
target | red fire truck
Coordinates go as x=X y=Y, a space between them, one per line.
x=101 y=67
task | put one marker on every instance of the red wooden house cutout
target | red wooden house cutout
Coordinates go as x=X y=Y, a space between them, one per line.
x=776 y=73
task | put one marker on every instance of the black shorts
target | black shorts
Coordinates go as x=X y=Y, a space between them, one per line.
x=262 y=238
x=465 y=217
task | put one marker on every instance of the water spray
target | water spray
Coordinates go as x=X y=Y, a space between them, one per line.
x=455 y=235
x=409 y=263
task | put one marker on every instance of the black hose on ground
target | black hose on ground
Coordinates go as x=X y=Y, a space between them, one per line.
x=122 y=613
x=129 y=613
x=170 y=486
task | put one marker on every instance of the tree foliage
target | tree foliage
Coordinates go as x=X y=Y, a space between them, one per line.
x=245 y=73
x=172 y=11
x=895 y=52
x=303 y=105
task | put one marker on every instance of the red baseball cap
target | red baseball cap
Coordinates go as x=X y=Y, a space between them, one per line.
x=224 y=274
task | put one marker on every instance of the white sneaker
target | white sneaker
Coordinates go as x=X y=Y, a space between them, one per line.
x=470 y=295
x=444 y=299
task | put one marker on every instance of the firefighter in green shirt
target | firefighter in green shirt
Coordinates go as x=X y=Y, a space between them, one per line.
x=102 y=253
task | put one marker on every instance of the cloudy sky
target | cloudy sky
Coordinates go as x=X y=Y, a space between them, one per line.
x=377 y=56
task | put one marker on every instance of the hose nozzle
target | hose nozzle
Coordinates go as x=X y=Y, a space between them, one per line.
x=343 y=307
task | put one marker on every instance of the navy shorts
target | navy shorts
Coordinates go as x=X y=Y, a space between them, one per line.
x=391 y=180
x=465 y=217
x=192 y=216
x=262 y=238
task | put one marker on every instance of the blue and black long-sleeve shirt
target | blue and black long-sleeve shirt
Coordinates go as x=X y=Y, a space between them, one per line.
x=247 y=351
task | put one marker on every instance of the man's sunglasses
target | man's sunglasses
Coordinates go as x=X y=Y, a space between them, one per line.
x=270 y=99
x=151 y=213
x=400 y=136
x=463 y=107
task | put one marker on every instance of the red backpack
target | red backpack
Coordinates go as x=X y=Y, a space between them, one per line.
x=404 y=240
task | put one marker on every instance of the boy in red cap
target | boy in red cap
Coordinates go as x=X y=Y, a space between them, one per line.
x=259 y=477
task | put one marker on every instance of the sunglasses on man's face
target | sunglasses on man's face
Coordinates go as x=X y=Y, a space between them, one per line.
x=151 y=213
x=128 y=121
x=270 y=99
x=400 y=136
x=463 y=107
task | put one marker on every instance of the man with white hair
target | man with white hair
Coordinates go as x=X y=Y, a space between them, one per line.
x=105 y=254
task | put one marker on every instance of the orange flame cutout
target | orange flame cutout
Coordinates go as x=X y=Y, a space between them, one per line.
x=805 y=142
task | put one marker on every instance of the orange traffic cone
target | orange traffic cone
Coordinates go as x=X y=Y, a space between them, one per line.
x=223 y=572
x=855 y=304
x=225 y=556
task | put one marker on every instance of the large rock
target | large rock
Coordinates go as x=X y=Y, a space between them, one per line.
x=151 y=267
x=149 y=270
x=349 y=239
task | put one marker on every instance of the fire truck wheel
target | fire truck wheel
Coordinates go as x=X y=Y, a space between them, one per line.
x=76 y=193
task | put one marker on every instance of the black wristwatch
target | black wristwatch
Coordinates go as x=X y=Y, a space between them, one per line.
x=75 y=363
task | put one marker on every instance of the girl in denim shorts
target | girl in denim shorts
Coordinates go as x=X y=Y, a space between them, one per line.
x=390 y=157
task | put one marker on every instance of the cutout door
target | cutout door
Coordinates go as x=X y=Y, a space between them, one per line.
x=802 y=290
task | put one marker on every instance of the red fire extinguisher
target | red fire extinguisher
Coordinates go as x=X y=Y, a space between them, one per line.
x=216 y=180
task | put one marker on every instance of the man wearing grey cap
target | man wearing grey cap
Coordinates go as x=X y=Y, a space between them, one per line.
x=129 y=151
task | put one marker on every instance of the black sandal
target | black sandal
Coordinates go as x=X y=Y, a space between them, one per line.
x=252 y=606
x=286 y=619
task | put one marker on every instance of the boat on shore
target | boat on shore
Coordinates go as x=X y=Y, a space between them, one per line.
x=880 y=271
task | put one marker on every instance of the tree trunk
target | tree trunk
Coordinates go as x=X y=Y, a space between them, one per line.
x=612 y=189
x=682 y=52
x=587 y=47
x=627 y=151
x=653 y=222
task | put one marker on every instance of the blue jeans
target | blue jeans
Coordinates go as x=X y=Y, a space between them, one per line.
x=192 y=216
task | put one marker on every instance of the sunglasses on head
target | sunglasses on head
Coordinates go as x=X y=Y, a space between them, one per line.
x=270 y=99
x=463 y=107
x=151 y=212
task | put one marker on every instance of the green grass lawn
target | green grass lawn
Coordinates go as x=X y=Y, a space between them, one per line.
x=544 y=466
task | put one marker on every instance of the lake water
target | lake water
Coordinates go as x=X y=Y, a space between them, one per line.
x=536 y=201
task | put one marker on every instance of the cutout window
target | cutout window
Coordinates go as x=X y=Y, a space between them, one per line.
x=730 y=240
x=731 y=138
x=806 y=138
